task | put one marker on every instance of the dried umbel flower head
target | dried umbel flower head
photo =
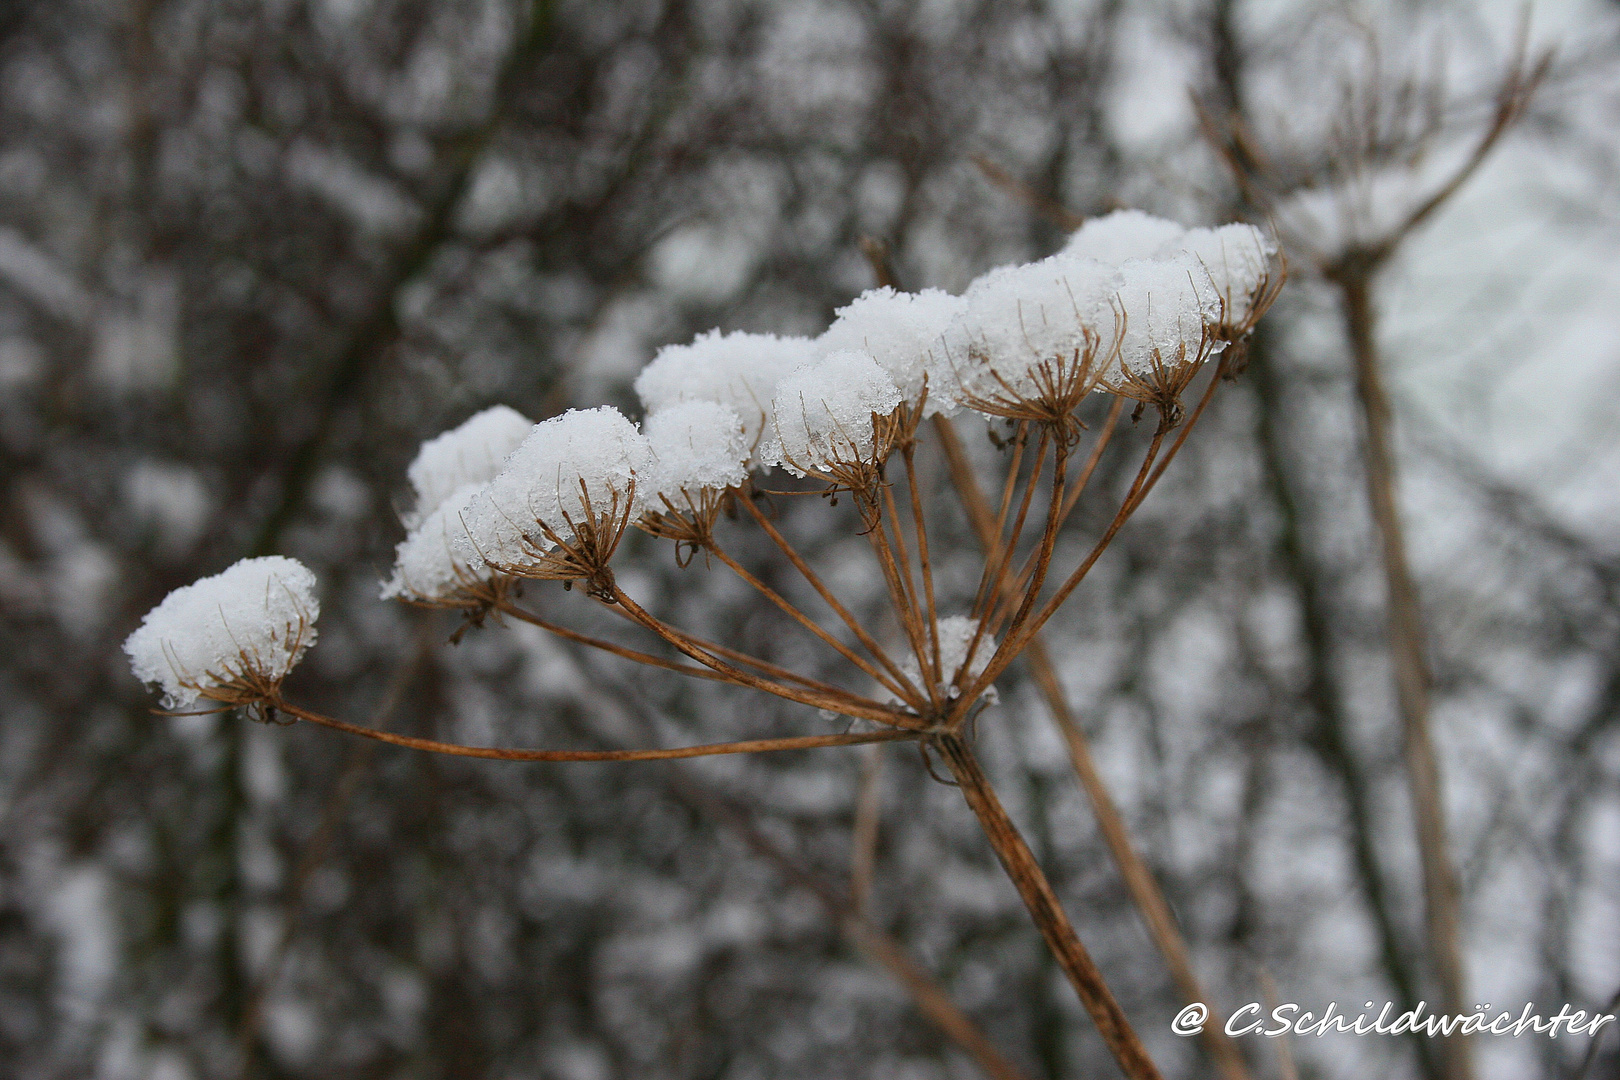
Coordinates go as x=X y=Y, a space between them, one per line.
x=1238 y=263
x=229 y=638
x=738 y=370
x=1033 y=339
x=561 y=503
x=469 y=454
x=433 y=565
x=907 y=334
x=828 y=418
x=429 y=566
x=1169 y=309
x=699 y=451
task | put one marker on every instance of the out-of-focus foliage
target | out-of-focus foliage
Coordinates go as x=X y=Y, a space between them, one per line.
x=252 y=254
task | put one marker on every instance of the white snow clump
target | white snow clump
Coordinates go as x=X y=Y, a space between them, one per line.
x=1121 y=236
x=907 y=334
x=250 y=623
x=955 y=635
x=740 y=370
x=432 y=561
x=695 y=445
x=1237 y=260
x=823 y=411
x=1017 y=317
x=1166 y=306
x=469 y=454
x=590 y=454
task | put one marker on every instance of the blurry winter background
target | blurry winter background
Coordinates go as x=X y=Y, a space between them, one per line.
x=252 y=253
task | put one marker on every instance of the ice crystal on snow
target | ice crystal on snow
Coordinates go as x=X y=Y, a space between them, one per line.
x=1121 y=236
x=695 y=445
x=906 y=333
x=433 y=561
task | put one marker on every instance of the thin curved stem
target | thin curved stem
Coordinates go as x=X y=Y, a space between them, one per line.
x=809 y=624
x=809 y=575
x=752 y=746
x=844 y=703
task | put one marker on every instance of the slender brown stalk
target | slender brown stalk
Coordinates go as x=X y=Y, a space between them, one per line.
x=1043 y=552
x=920 y=527
x=1139 y=881
x=871 y=939
x=1110 y=425
x=1015 y=642
x=1408 y=651
x=1008 y=488
x=810 y=624
x=996 y=582
x=864 y=837
x=904 y=606
x=751 y=746
x=840 y=702
x=524 y=615
x=930 y=998
x=825 y=593
x=1042 y=902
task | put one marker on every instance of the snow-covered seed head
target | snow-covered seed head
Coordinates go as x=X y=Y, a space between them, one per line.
x=572 y=486
x=1237 y=261
x=699 y=452
x=434 y=566
x=739 y=370
x=1169 y=310
x=828 y=417
x=1033 y=339
x=469 y=454
x=906 y=333
x=1121 y=236
x=229 y=638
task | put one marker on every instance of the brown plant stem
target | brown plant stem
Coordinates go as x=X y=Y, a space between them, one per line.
x=1025 y=873
x=879 y=946
x=1408 y=652
x=809 y=624
x=1018 y=637
x=864 y=837
x=908 y=451
x=841 y=702
x=809 y=575
x=1139 y=880
x=751 y=746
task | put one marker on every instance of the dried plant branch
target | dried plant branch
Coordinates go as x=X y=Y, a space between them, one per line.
x=920 y=527
x=814 y=627
x=1046 y=207
x=840 y=701
x=1139 y=881
x=871 y=939
x=1408 y=652
x=751 y=746
x=1021 y=866
x=864 y=837
x=793 y=556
